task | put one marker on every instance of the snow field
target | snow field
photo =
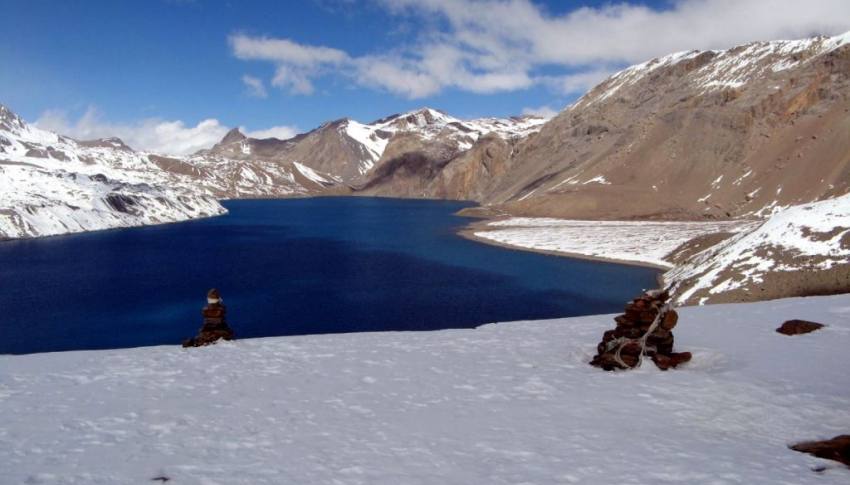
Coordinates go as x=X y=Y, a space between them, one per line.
x=505 y=403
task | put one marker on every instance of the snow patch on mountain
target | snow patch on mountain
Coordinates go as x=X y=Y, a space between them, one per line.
x=808 y=237
x=314 y=176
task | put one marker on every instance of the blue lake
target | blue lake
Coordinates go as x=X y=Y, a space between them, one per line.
x=287 y=267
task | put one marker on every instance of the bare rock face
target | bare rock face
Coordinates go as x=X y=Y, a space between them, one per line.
x=694 y=135
x=215 y=326
x=837 y=448
x=232 y=136
x=645 y=329
x=798 y=327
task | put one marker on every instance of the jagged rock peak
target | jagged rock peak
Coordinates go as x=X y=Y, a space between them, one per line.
x=8 y=118
x=232 y=136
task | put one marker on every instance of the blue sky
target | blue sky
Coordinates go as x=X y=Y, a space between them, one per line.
x=89 y=67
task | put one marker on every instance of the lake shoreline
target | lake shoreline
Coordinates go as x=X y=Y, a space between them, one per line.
x=482 y=225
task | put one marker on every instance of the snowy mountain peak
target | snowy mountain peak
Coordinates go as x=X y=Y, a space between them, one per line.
x=423 y=117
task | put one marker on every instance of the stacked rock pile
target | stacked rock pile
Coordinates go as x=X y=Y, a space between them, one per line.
x=645 y=329
x=215 y=326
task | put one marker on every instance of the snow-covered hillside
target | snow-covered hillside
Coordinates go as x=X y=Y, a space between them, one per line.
x=812 y=238
x=506 y=403
x=51 y=184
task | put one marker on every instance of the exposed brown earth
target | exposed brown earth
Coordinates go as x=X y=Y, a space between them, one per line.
x=674 y=149
x=780 y=284
x=695 y=245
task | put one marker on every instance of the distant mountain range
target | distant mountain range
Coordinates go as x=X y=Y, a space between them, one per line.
x=739 y=133
x=64 y=185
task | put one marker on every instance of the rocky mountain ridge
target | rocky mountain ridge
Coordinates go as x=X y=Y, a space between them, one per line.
x=694 y=135
x=351 y=150
x=51 y=174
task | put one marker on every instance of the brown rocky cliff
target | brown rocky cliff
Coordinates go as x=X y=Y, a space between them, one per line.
x=679 y=139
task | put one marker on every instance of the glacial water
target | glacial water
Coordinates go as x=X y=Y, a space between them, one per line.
x=287 y=267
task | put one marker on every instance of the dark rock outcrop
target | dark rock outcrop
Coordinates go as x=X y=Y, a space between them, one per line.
x=837 y=448
x=798 y=327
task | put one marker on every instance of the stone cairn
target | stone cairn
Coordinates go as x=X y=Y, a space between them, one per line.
x=645 y=329
x=215 y=326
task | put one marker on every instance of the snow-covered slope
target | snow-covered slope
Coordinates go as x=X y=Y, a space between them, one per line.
x=507 y=403
x=647 y=242
x=229 y=178
x=803 y=249
x=51 y=184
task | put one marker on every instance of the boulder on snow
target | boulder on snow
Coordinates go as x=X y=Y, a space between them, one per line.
x=798 y=327
x=837 y=448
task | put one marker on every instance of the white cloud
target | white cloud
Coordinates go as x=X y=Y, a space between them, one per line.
x=487 y=46
x=254 y=86
x=283 y=51
x=542 y=111
x=624 y=32
x=171 y=137
x=280 y=132
x=296 y=63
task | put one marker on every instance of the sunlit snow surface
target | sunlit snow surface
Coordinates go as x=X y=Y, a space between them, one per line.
x=506 y=403
x=633 y=241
